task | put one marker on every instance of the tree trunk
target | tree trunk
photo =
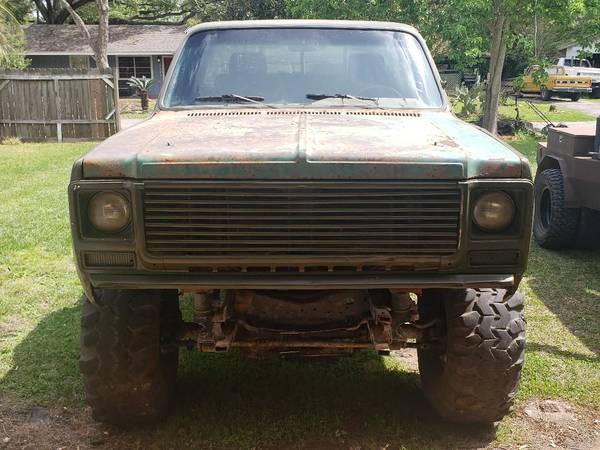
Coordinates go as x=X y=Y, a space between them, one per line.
x=494 y=85
x=102 y=43
x=99 y=44
x=144 y=98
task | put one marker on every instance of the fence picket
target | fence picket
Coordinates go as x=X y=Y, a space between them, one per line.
x=75 y=104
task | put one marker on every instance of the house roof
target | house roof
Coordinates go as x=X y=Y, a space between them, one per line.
x=123 y=39
x=593 y=42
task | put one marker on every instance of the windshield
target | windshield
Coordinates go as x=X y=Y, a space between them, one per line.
x=303 y=66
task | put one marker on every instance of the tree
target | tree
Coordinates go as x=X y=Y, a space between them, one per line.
x=195 y=11
x=55 y=12
x=11 y=40
x=142 y=85
x=99 y=43
x=508 y=20
x=20 y=9
x=469 y=32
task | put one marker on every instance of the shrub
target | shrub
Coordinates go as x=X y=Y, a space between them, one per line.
x=469 y=102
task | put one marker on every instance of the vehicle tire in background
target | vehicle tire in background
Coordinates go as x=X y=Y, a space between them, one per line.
x=575 y=97
x=474 y=377
x=545 y=94
x=554 y=225
x=129 y=377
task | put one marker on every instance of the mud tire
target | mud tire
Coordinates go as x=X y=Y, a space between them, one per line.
x=575 y=97
x=475 y=377
x=128 y=379
x=554 y=225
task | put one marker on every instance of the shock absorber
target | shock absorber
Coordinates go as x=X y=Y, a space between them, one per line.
x=203 y=311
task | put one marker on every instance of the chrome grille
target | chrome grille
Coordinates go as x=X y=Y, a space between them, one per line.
x=209 y=220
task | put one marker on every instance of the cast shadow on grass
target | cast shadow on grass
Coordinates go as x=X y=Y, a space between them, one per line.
x=229 y=401
x=568 y=283
x=45 y=363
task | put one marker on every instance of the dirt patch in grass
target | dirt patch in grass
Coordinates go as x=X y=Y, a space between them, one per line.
x=544 y=424
x=557 y=424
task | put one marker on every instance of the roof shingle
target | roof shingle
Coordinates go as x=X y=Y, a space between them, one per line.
x=123 y=39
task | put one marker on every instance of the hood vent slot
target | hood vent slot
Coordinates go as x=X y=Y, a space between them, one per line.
x=313 y=112
x=224 y=113
x=383 y=113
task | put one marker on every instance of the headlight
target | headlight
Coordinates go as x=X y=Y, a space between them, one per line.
x=494 y=211
x=109 y=212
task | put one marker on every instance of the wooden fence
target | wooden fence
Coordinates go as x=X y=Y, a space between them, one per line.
x=58 y=104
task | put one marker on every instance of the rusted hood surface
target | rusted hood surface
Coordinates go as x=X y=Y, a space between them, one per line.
x=310 y=144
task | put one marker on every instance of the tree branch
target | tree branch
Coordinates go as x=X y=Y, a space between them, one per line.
x=77 y=20
x=99 y=46
x=39 y=4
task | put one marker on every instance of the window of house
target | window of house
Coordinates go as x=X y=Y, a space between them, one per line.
x=132 y=66
x=79 y=61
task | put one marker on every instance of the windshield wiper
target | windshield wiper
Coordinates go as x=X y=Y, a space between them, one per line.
x=342 y=96
x=233 y=98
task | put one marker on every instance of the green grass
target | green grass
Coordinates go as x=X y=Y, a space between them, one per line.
x=227 y=401
x=526 y=112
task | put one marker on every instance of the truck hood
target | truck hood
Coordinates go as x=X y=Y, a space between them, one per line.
x=250 y=143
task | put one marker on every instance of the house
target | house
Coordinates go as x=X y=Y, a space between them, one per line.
x=133 y=50
x=574 y=50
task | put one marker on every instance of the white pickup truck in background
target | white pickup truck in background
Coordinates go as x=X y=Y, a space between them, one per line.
x=581 y=67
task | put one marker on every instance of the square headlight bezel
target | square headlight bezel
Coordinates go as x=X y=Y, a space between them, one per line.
x=81 y=195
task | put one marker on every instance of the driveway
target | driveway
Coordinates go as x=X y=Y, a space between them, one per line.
x=587 y=106
x=128 y=123
x=591 y=107
x=539 y=126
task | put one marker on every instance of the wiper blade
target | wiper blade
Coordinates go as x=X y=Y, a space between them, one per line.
x=233 y=98
x=342 y=96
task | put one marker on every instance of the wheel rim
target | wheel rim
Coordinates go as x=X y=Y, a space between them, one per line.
x=545 y=210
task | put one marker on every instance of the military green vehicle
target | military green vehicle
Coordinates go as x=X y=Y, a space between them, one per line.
x=567 y=186
x=307 y=184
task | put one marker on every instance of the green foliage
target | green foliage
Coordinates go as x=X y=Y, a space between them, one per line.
x=518 y=83
x=20 y=9
x=539 y=74
x=14 y=55
x=468 y=103
x=348 y=9
x=11 y=40
x=141 y=84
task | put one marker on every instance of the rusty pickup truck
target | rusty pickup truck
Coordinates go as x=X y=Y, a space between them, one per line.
x=556 y=83
x=307 y=184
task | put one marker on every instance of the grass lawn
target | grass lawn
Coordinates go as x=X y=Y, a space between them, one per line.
x=561 y=114
x=226 y=401
x=527 y=114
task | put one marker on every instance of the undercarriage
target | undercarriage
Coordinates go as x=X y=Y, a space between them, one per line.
x=307 y=323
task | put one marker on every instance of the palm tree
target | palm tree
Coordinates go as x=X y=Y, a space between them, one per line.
x=142 y=85
x=9 y=27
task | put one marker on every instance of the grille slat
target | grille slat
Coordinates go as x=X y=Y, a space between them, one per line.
x=246 y=202
x=301 y=219
x=300 y=234
x=312 y=226
x=335 y=219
